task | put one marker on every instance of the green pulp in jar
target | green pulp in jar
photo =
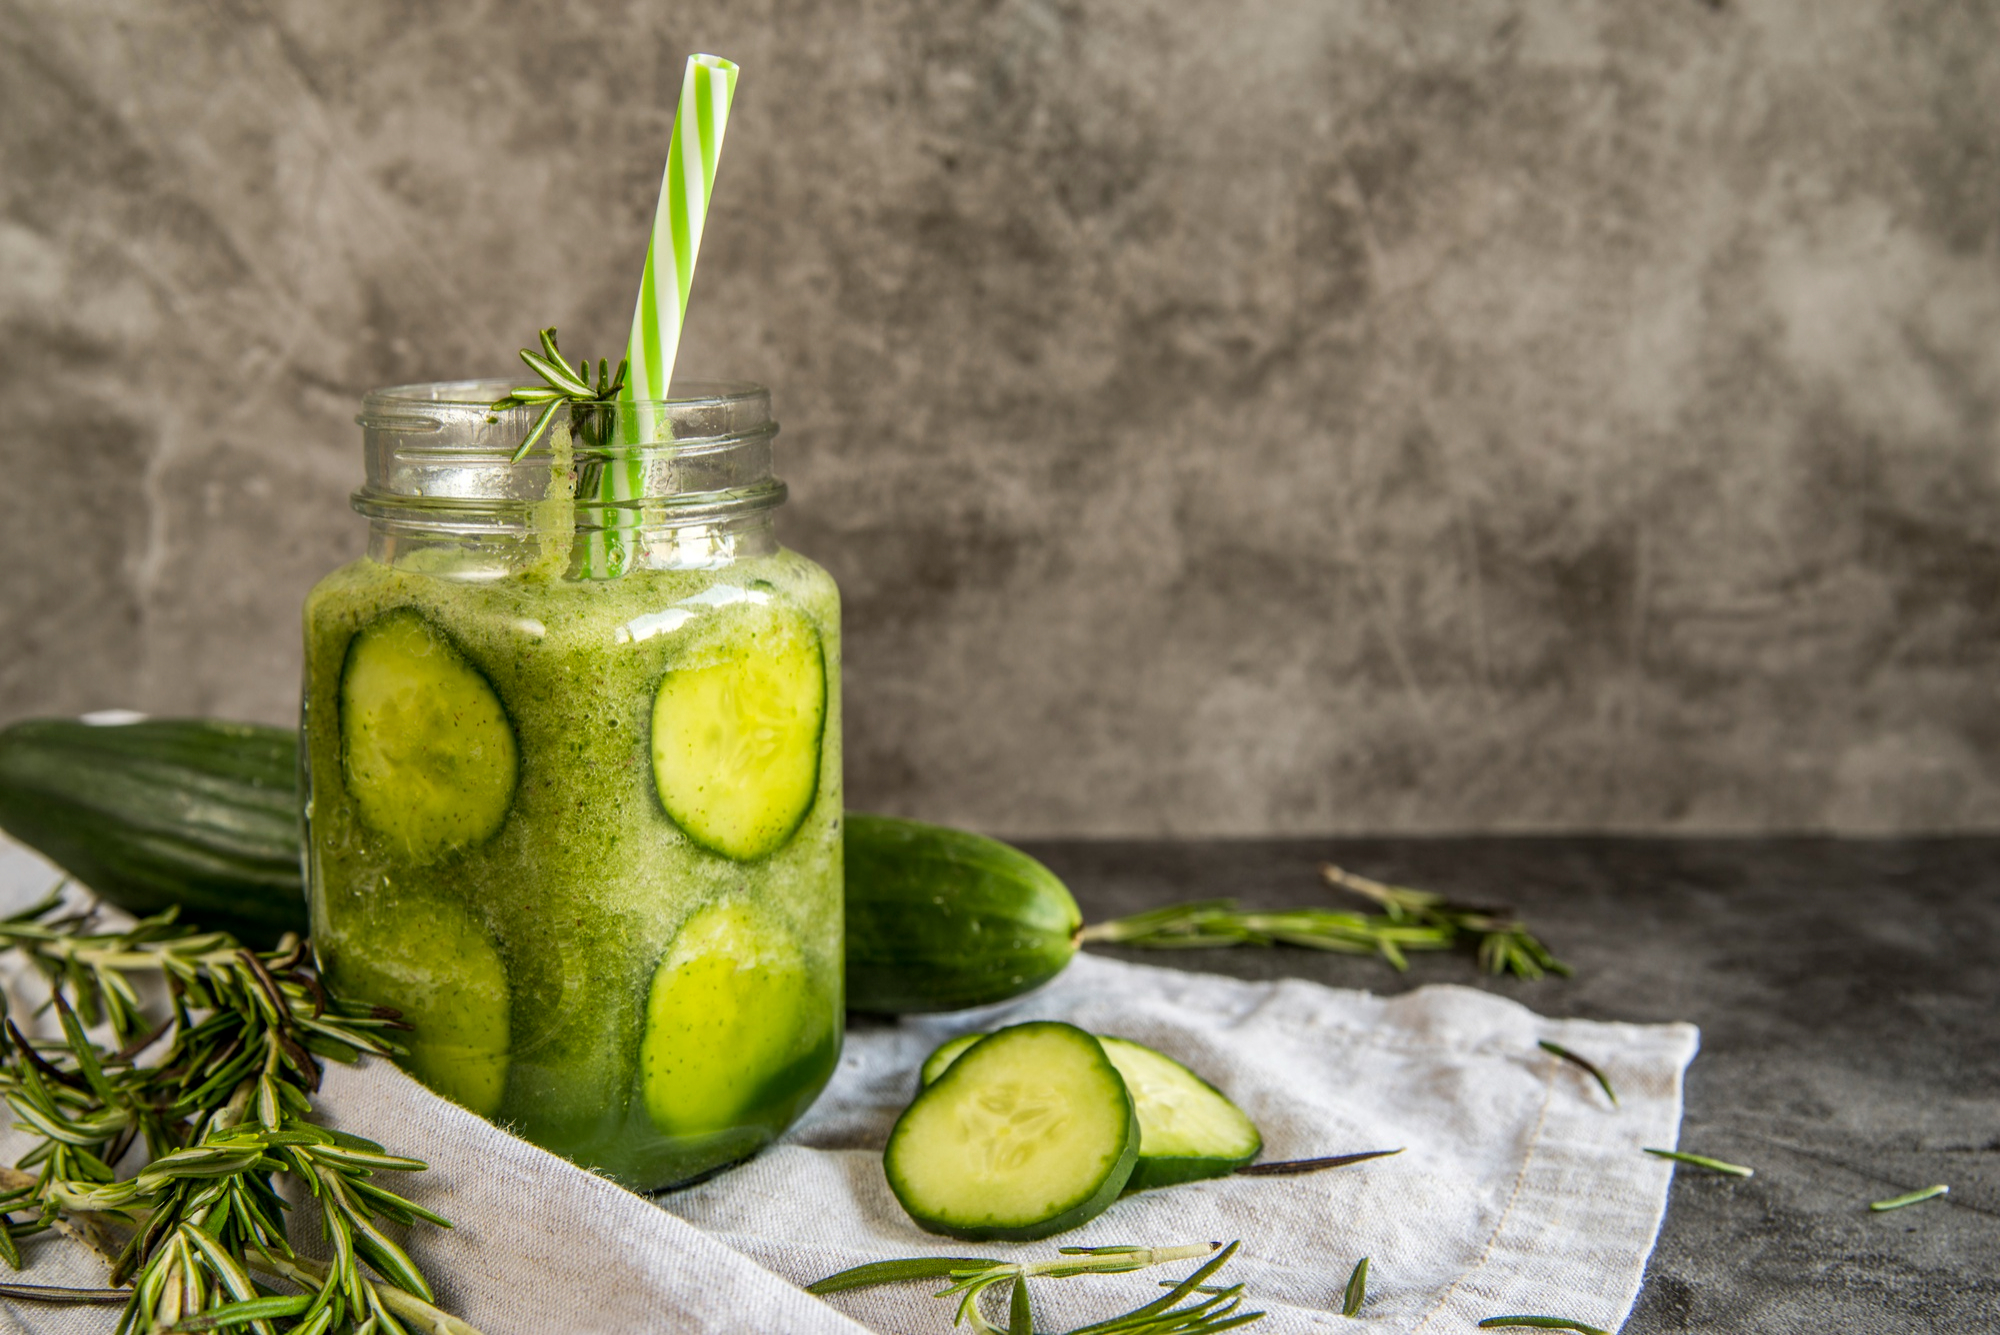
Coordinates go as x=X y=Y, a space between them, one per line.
x=583 y=970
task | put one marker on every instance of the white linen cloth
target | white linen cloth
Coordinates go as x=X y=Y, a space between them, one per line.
x=1520 y=1189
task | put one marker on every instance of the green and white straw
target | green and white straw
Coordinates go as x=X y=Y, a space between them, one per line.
x=685 y=187
x=684 y=190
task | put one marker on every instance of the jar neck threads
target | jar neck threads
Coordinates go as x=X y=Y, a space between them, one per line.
x=677 y=484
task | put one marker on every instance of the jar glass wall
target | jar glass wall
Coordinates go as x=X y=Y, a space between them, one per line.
x=573 y=800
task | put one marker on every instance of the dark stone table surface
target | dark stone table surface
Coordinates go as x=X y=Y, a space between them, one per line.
x=1848 y=993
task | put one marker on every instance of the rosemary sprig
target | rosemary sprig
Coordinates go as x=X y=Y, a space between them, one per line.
x=1910 y=1198
x=562 y=386
x=222 y=1113
x=1217 y=1309
x=1410 y=920
x=1502 y=941
x=1541 y=1323
x=1357 y=1289
x=1703 y=1161
x=1219 y=922
x=1603 y=1081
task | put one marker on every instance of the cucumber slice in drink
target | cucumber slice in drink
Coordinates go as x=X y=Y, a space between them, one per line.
x=728 y=1008
x=1030 y=1132
x=1188 y=1129
x=437 y=966
x=736 y=740
x=426 y=749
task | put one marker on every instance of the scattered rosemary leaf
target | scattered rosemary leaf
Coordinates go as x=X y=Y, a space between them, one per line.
x=1910 y=1198
x=1292 y=1167
x=1357 y=1289
x=1542 y=1323
x=1568 y=1056
x=1703 y=1161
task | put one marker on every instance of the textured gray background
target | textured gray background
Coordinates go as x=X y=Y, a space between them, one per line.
x=1222 y=415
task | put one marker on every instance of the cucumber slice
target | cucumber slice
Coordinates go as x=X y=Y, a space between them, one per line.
x=1029 y=1133
x=426 y=749
x=728 y=1009
x=947 y=1052
x=736 y=742
x=1188 y=1129
x=437 y=966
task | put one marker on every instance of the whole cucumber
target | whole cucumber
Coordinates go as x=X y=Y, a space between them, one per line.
x=204 y=814
x=193 y=812
x=940 y=919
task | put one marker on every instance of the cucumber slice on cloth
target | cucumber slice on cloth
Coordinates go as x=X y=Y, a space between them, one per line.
x=426 y=749
x=1030 y=1132
x=736 y=742
x=728 y=1008
x=1188 y=1129
x=434 y=963
x=947 y=1052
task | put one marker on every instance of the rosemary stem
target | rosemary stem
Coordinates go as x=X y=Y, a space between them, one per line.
x=1702 y=1161
x=43 y=1293
x=1114 y=1262
x=1910 y=1198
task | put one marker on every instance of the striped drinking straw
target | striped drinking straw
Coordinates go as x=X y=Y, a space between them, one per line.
x=692 y=153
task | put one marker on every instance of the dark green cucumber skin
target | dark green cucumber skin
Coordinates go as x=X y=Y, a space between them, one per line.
x=1150 y=1173
x=942 y=920
x=194 y=812
x=1114 y=1185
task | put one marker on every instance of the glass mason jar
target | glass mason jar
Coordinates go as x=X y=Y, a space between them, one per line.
x=572 y=794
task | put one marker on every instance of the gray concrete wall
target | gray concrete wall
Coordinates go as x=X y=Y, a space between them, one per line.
x=1223 y=416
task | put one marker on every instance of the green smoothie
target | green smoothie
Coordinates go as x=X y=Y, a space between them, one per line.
x=585 y=834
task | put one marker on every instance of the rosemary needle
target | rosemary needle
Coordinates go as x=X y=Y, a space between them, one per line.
x=1542 y=1323
x=1020 y=1316
x=1910 y=1198
x=1703 y=1161
x=1292 y=1167
x=1568 y=1056
x=889 y=1272
x=1357 y=1289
